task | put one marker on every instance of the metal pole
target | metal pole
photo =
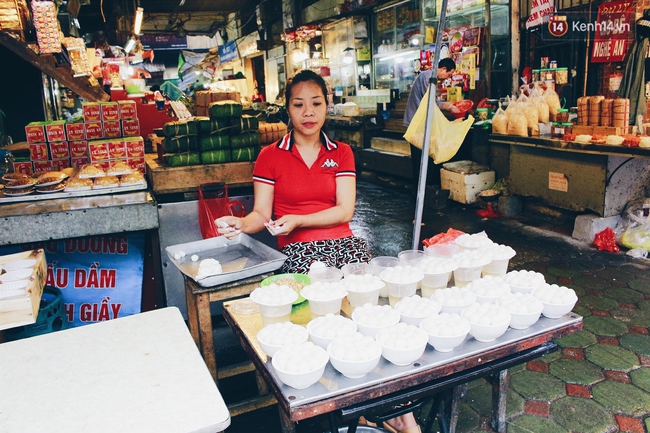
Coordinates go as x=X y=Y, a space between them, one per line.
x=424 y=161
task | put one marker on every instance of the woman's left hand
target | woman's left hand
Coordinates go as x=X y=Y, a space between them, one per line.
x=286 y=224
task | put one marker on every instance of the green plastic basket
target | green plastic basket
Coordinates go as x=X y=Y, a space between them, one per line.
x=300 y=278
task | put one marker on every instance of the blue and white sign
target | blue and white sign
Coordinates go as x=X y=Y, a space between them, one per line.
x=228 y=52
x=100 y=277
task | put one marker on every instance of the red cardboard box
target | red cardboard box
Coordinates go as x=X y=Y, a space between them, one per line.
x=112 y=129
x=42 y=166
x=24 y=167
x=60 y=164
x=130 y=127
x=55 y=130
x=94 y=130
x=134 y=147
x=78 y=162
x=38 y=152
x=128 y=109
x=98 y=150
x=75 y=131
x=59 y=150
x=110 y=111
x=78 y=148
x=137 y=164
x=92 y=111
x=35 y=132
x=116 y=149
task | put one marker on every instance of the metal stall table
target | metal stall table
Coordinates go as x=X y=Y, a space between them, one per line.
x=345 y=399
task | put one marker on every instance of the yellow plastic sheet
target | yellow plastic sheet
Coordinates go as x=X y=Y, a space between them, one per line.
x=446 y=136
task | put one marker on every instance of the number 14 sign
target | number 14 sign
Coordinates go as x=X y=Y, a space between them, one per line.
x=558 y=25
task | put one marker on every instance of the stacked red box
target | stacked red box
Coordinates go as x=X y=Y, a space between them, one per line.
x=59 y=150
x=98 y=150
x=94 y=130
x=75 y=131
x=135 y=152
x=116 y=149
x=42 y=166
x=128 y=109
x=24 y=167
x=110 y=111
x=38 y=152
x=35 y=132
x=92 y=111
x=78 y=148
x=112 y=128
x=55 y=131
x=130 y=127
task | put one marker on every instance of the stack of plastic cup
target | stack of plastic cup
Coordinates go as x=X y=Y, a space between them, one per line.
x=411 y=257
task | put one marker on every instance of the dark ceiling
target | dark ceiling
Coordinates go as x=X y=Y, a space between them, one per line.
x=170 y=6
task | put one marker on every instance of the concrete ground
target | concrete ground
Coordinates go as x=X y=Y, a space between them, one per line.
x=599 y=382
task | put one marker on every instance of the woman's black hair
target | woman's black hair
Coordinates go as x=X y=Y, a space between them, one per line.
x=302 y=77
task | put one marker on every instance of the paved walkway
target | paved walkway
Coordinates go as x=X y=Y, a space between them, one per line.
x=599 y=382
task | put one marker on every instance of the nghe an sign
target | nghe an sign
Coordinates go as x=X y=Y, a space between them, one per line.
x=612 y=30
x=228 y=52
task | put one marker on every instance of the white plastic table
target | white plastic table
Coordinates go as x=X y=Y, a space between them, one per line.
x=141 y=373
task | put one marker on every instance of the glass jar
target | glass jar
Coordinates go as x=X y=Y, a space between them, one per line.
x=573 y=115
x=568 y=127
x=562 y=75
x=562 y=115
x=557 y=130
x=482 y=114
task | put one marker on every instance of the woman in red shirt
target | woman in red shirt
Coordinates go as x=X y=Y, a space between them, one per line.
x=308 y=183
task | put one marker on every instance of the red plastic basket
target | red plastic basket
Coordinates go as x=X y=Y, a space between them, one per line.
x=214 y=203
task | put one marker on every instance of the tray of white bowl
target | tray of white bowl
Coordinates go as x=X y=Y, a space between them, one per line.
x=333 y=383
x=239 y=258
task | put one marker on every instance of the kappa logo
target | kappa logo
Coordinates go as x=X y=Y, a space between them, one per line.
x=329 y=163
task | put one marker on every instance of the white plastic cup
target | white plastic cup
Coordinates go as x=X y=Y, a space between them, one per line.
x=497 y=268
x=356 y=269
x=411 y=257
x=275 y=313
x=463 y=276
x=378 y=264
x=326 y=274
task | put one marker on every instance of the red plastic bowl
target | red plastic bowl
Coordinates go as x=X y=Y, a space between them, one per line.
x=464 y=106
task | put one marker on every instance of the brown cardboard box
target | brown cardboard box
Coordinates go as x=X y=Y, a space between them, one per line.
x=22 y=309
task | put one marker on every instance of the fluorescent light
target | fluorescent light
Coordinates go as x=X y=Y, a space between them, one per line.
x=137 y=22
x=130 y=45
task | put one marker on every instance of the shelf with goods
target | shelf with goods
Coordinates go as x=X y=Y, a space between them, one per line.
x=478 y=42
x=393 y=56
x=339 y=47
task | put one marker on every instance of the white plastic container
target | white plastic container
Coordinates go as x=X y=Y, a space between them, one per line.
x=378 y=264
x=362 y=289
x=402 y=344
x=275 y=302
x=354 y=355
x=446 y=331
x=324 y=297
x=437 y=273
x=322 y=330
x=301 y=365
x=401 y=281
x=371 y=318
x=464 y=188
x=501 y=255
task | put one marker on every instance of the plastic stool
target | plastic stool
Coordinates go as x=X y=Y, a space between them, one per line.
x=51 y=317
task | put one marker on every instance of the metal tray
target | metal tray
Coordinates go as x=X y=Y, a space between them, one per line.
x=240 y=258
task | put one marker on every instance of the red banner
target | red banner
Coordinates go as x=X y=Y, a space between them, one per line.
x=612 y=29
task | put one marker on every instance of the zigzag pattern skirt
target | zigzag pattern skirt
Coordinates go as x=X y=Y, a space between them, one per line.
x=333 y=252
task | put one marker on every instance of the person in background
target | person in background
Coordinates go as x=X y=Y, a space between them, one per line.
x=307 y=182
x=446 y=68
x=257 y=96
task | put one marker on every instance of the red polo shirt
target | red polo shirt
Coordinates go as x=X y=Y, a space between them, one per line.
x=299 y=190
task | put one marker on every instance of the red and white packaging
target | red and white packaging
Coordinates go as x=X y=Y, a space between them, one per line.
x=35 y=132
x=78 y=162
x=98 y=150
x=59 y=150
x=137 y=164
x=24 y=167
x=130 y=127
x=55 y=131
x=78 y=148
x=38 y=152
x=116 y=149
x=60 y=164
x=134 y=147
x=112 y=129
x=75 y=131
x=92 y=111
x=42 y=166
x=110 y=111
x=94 y=130
x=128 y=109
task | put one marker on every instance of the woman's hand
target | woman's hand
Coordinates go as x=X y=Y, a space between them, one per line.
x=286 y=224
x=454 y=109
x=229 y=226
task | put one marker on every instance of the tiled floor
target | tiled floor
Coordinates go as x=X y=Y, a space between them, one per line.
x=600 y=379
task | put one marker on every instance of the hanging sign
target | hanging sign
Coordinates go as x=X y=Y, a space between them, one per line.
x=540 y=11
x=228 y=52
x=100 y=277
x=611 y=31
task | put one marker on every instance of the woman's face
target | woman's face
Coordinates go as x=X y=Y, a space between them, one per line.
x=307 y=108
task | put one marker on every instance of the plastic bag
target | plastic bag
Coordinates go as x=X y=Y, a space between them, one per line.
x=638 y=253
x=214 y=203
x=443 y=244
x=446 y=136
x=553 y=100
x=633 y=229
x=606 y=241
x=500 y=122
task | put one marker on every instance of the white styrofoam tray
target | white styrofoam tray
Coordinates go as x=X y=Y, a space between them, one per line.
x=240 y=258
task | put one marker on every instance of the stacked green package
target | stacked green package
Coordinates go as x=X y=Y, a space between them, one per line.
x=244 y=154
x=181 y=143
x=227 y=135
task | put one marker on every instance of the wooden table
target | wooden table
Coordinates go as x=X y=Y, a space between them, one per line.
x=200 y=323
x=389 y=385
x=140 y=373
